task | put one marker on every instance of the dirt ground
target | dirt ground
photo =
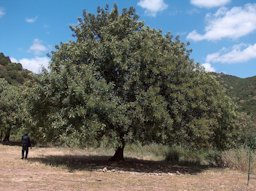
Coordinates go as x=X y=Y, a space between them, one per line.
x=53 y=169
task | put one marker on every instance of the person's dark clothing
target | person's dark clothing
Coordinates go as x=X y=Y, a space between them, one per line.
x=25 y=140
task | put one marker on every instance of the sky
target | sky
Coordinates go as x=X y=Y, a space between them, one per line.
x=222 y=33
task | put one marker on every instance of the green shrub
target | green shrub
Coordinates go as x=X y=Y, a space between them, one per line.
x=186 y=155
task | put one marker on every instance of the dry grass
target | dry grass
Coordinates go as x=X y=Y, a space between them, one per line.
x=74 y=170
x=238 y=159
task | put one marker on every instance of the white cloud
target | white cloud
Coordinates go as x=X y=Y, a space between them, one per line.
x=152 y=7
x=237 y=54
x=2 y=12
x=194 y=36
x=209 y=3
x=193 y=11
x=31 y=20
x=33 y=64
x=208 y=67
x=233 y=23
x=14 y=60
x=38 y=47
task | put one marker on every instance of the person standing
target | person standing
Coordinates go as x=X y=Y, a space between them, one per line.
x=25 y=140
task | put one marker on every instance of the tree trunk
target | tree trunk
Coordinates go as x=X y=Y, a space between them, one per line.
x=1 y=136
x=7 y=135
x=119 y=153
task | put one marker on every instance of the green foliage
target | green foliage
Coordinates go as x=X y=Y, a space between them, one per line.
x=10 y=109
x=191 y=156
x=12 y=112
x=63 y=104
x=247 y=131
x=125 y=82
x=243 y=93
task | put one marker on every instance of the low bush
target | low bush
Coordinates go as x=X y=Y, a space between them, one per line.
x=185 y=155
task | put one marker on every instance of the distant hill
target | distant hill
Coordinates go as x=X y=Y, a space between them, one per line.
x=243 y=90
x=13 y=72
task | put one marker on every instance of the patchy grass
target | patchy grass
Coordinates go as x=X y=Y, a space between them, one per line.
x=74 y=170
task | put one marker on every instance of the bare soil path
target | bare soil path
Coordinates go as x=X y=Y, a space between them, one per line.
x=53 y=169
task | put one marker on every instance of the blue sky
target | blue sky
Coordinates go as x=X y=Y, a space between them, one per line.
x=222 y=33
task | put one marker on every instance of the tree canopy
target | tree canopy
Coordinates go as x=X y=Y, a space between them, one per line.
x=125 y=82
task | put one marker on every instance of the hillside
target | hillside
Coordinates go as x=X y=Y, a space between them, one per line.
x=13 y=72
x=243 y=90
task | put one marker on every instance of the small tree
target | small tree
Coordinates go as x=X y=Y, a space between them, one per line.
x=10 y=107
x=127 y=82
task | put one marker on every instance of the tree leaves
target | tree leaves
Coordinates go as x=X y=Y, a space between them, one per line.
x=127 y=82
x=10 y=108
